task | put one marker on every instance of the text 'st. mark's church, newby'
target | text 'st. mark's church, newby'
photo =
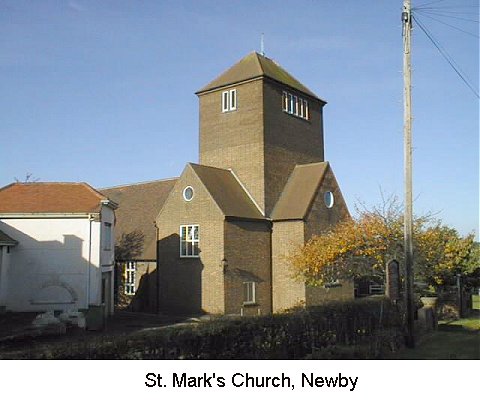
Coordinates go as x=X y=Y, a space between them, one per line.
x=261 y=188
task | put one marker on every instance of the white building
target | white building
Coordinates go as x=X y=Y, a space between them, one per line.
x=56 y=248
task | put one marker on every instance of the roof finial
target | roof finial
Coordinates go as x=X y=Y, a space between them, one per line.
x=262 y=46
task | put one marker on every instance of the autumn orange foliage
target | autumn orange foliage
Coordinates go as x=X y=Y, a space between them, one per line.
x=362 y=246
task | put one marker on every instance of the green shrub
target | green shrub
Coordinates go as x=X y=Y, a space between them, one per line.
x=354 y=329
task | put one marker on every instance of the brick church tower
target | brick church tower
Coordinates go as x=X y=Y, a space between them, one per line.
x=259 y=121
x=225 y=227
x=261 y=187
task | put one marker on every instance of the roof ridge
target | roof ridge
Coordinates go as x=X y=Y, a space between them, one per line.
x=139 y=183
x=209 y=166
x=309 y=164
x=246 y=191
x=95 y=191
x=256 y=66
x=257 y=59
x=45 y=183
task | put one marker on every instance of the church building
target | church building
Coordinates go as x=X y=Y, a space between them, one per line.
x=260 y=189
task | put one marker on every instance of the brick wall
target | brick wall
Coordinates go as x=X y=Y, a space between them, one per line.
x=247 y=250
x=287 y=291
x=190 y=284
x=289 y=140
x=318 y=220
x=260 y=142
x=317 y=295
x=145 y=298
x=235 y=139
x=288 y=235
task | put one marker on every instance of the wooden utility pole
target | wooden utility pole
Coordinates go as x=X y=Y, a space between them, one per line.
x=407 y=131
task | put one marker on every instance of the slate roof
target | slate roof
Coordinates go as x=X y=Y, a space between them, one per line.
x=299 y=192
x=227 y=192
x=6 y=240
x=253 y=66
x=138 y=206
x=50 y=197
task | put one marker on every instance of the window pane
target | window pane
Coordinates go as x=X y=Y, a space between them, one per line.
x=233 y=99
x=295 y=105
x=182 y=248
x=195 y=249
x=195 y=233
x=306 y=109
x=225 y=101
x=249 y=292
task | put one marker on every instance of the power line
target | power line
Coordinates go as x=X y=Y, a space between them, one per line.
x=445 y=55
x=432 y=2
x=450 y=16
x=451 y=26
x=446 y=10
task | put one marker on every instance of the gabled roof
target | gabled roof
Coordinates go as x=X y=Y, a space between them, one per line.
x=299 y=192
x=138 y=206
x=50 y=197
x=6 y=240
x=227 y=192
x=253 y=66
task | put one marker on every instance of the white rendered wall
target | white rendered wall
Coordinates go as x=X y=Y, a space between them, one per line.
x=55 y=265
x=107 y=255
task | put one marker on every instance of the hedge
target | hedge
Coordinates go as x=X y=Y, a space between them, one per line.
x=359 y=329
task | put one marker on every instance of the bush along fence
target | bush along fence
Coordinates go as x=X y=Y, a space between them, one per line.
x=360 y=329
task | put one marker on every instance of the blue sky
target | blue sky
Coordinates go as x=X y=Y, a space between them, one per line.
x=103 y=91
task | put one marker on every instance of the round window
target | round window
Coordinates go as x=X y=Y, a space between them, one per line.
x=188 y=193
x=329 y=199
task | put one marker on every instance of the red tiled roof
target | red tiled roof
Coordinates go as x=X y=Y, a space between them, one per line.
x=50 y=197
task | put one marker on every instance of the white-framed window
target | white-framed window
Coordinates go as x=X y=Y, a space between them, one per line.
x=188 y=193
x=249 y=293
x=290 y=103
x=225 y=101
x=329 y=199
x=130 y=277
x=295 y=105
x=285 y=101
x=107 y=236
x=189 y=241
x=305 y=112
x=229 y=100
x=301 y=103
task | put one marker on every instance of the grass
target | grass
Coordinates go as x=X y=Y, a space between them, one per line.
x=459 y=339
x=472 y=323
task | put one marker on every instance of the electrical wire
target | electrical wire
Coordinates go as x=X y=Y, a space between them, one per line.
x=450 y=16
x=445 y=10
x=445 y=55
x=451 y=26
x=432 y=2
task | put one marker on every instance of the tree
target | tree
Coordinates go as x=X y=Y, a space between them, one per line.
x=361 y=247
x=442 y=254
x=130 y=245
